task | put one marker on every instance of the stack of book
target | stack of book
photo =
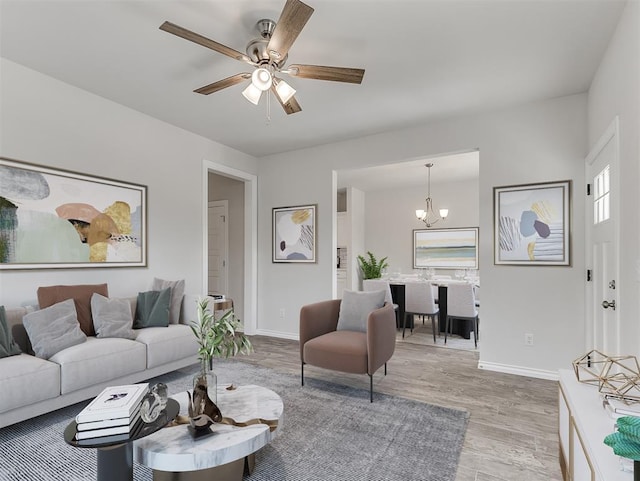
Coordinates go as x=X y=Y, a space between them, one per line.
x=113 y=416
x=617 y=408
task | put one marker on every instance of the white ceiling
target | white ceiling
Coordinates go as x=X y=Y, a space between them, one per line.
x=424 y=60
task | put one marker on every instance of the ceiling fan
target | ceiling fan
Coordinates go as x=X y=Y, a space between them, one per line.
x=268 y=54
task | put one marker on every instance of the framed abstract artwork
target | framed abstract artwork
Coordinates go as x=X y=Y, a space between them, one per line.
x=445 y=248
x=53 y=218
x=294 y=233
x=532 y=224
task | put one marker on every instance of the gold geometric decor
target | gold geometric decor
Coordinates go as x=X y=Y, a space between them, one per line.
x=616 y=376
x=588 y=368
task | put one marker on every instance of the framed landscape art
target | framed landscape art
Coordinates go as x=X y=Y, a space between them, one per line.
x=53 y=218
x=294 y=234
x=445 y=248
x=532 y=224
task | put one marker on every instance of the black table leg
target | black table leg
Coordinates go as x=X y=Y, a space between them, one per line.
x=116 y=463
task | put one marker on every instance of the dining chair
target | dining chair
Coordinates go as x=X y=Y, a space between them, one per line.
x=461 y=304
x=380 y=285
x=419 y=300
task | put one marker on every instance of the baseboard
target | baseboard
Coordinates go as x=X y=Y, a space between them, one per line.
x=519 y=370
x=279 y=334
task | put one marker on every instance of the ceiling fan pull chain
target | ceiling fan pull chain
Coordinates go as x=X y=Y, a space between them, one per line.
x=268 y=109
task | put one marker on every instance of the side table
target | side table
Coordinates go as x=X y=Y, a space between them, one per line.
x=115 y=459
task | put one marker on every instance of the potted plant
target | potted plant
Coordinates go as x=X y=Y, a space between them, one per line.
x=216 y=338
x=370 y=267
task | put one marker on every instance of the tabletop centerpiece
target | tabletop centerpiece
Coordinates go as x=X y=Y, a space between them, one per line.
x=216 y=338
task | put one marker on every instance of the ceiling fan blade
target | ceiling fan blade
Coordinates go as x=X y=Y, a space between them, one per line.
x=223 y=84
x=291 y=106
x=204 y=41
x=321 y=72
x=292 y=20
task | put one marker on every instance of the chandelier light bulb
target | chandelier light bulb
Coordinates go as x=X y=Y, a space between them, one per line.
x=261 y=79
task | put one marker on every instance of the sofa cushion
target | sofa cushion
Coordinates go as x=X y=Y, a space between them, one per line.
x=344 y=351
x=26 y=380
x=8 y=347
x=112 y=317
x=53 y=329
x=152 y=309
x=177 y=293
x=167 y=344
x=81 y=294
x=355 y=308
x=97 y=361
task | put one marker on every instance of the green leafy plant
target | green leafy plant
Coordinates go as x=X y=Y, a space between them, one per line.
x=218 y=337
x=370 y=267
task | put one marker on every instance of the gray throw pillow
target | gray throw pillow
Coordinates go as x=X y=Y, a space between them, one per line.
x=8 y=347
x=177 y=293
x=112 y=317
x=53 y=329
x=152 y=309
x=355 y=308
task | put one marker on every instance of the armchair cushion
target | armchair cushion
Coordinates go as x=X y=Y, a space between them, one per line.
x=356 y=307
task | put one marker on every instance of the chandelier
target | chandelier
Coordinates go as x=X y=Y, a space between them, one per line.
x=428 y=216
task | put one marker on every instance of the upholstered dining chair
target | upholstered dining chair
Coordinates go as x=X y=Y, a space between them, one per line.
x=329 y=342
x=419 y=300
x=369 y=285
x=461 y=304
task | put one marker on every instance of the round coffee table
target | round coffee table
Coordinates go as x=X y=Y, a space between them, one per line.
x=174 y=454
x=115 y=458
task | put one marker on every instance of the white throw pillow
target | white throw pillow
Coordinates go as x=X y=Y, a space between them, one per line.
x=53 y=329
x=112 y=317
x=355 y=308
x=177 y=293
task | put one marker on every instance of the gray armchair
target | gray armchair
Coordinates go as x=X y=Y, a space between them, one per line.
x=321 y=345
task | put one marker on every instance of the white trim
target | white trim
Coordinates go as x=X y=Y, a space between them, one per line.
x=250 y=320
x=278 y=334
x=518 y=370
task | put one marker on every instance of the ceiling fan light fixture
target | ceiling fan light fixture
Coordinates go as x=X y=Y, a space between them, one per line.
x=261 y=79
x=284 y=90
x=252 y=94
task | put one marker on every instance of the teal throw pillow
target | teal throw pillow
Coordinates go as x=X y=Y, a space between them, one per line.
x=8 y=347
x=152 y=309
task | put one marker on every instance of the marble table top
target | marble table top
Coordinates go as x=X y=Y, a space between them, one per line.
x=173 y=449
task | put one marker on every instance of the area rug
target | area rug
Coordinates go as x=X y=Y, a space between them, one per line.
x=331 y=433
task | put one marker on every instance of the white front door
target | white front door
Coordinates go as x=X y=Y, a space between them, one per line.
x=603 y=311
x=217 y=246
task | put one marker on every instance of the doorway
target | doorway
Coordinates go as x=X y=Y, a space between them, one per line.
x=221 y=182
x=602 y=250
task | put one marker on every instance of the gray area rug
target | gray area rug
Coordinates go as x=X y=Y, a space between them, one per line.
x=331 y=432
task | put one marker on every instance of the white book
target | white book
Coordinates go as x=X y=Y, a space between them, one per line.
x=109 y=423
x=624 y=409
x=98 y=433
x=114 y=402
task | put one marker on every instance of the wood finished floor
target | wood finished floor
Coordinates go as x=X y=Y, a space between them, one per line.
x=512 y=431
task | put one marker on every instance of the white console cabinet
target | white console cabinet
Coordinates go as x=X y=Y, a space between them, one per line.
x=583 y=424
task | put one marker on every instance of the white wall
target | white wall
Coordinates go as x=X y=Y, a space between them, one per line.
x=615 y=90
x=542 y=141
x=48 y=122
x=390 y=218
x=225 y=188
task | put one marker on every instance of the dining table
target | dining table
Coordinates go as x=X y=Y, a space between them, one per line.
x=397 y=285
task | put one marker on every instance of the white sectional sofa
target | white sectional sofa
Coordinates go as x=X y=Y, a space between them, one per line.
x=30 y=386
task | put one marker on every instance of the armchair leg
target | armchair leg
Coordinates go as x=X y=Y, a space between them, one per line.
x=370 y=387
x=302 y=373
x=385 y=368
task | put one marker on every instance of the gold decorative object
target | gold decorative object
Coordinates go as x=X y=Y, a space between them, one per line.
x=589 y=367
x=615 y=376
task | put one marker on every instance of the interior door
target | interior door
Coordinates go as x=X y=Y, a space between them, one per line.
x=603 y=319
x=218 y=246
